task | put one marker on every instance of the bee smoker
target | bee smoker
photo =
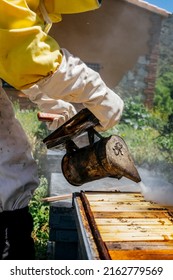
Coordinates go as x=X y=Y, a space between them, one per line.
x=104 y=157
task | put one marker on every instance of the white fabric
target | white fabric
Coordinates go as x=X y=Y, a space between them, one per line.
x=75 y=82
x=64 y=110
x=18 y=170
x=45 y=17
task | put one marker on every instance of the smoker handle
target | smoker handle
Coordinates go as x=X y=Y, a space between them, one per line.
x=46 y=117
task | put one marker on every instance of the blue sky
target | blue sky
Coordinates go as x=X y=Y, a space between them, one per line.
x=164 y=4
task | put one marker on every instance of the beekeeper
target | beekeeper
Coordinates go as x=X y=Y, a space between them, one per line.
x=51 y=77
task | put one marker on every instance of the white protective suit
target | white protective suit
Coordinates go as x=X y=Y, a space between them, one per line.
x=18 y=170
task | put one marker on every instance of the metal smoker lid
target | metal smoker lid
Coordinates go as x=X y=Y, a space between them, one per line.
x=81 y=122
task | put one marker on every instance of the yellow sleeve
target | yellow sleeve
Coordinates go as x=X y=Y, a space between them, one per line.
x=57 y=7
x=27 y=54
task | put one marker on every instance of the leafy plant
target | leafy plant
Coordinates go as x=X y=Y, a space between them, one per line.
x=135 y=114
x=164 y=94
x=40 y=214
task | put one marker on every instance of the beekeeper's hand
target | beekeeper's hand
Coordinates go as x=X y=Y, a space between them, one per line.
x=62 y=110
x=54 y=120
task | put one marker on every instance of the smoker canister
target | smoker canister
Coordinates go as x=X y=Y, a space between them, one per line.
x=108 y=157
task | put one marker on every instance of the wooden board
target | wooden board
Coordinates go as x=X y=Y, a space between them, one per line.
x=131 y=227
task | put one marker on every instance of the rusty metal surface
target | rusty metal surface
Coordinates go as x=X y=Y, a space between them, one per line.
x=108 y=157
x=79 y=123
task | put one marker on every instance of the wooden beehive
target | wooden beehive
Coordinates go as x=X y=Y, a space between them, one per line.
x=124 y=226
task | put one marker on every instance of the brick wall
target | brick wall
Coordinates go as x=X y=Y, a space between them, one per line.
x=140 y=81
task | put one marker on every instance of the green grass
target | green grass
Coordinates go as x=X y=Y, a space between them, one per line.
x=141 y=144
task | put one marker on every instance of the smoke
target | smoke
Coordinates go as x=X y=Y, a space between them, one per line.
x=155 y=188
